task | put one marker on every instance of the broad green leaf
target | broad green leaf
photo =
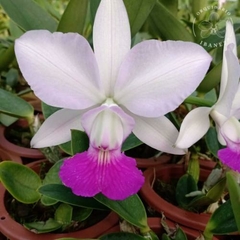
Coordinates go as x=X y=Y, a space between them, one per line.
x=15 y=106
x=80 y=141
x=234 y=191
x=171 y=5
x=170 y=29
x=51 y=177
x=49 y=7
x=67 y=147
x=131 y=142
x=43 y=227
x=63 y=214
x=222 y=221
x=28 y=15
x=217 y=190
x=130 y=209
x=65 y=195
x=122 y=236
x=194 y=167
x=165 y=237
x=185 y=185
x=48 y=110
x=211 y=80
x=212 y=141
x=6 y=57
x=74 y=17
x=138 y=11
x=93 y=8
x=7 y=120
x=81 y=214
x=20 y=181
x=180 y=235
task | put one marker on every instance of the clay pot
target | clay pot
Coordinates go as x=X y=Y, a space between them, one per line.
x=4 y=155
x=15 y=231
x=173 y=213
x=155 y=224
x=17 y=150
x=144 y=163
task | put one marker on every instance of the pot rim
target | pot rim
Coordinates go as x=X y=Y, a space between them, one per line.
x=174 y=213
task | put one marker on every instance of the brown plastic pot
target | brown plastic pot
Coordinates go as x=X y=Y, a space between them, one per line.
x=144 y=163
x=172 y=212
x=15 y=231
x=4 y=155
x=17 y=150
x=155 y=225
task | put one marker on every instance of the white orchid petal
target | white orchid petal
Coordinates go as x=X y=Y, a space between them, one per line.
x=224 y=104
x=60 y=68
x=235 y=110
x=156 y=76
x=56 y=129
x=107 y=126
x=229 y=39
x=158 y=133
x=231 y=130
x=111 y=40
x=193 y=127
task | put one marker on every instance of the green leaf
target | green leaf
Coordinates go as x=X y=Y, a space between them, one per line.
x=131 y=142
x=52 y=177
x=193 y=167
x=180 y=235
x=211 y=80
x=81 y=214
x=48 y=110
x=217 y=190
x=130 y=209
x=212 y=141
x=7 y=120
x=65 y=195
x=122 y=236
x=80 y=141
x=28 y=15
x=171 y=5
x=74 y=17
x=138 y=12
x=67 y=147
x=20 y=181
x=165 y=237
x=185 y=185
x=222 y=221
x=172 y=29
x=234 y=191
x=63 y=214
x=6 y=57
x=43 y=227
x=15 y=106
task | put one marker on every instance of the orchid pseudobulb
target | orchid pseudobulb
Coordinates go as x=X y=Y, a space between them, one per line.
x=108 y=93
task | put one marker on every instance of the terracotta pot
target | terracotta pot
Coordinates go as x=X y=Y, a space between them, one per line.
x=17 y=150
x=144 y=163
x=15 y=231
x=173 y=213
x=155 y=224
x=4 y=155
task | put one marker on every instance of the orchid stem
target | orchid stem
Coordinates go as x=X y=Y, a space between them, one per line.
x=198 y=101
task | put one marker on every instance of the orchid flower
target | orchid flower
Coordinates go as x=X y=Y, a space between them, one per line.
x=108 y=93
x=197 y=122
